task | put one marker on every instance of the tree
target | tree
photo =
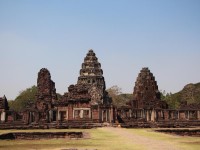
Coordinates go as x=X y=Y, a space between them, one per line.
x=173 y=100
x=118 y=98
x=59 y=96
x=24 y=97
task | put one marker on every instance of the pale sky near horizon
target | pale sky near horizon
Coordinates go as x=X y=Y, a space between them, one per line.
x=126 y=35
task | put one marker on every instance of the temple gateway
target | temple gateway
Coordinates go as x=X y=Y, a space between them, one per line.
x=88 y=104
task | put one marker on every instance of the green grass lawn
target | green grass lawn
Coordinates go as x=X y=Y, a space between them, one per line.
x=183 y=142
x=99 y=139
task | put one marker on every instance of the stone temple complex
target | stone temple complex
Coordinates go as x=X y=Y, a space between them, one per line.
x=87 y=104
x=86 y=101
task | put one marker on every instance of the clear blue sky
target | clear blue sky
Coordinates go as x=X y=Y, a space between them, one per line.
x=126 y=35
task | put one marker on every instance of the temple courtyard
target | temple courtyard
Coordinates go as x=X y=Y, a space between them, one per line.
x=106 y=138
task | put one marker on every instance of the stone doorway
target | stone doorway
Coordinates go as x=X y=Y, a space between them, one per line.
x=54 y=116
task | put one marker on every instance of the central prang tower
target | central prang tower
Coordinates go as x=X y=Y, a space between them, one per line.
x=91 y=72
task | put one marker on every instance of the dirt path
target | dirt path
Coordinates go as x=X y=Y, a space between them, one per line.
x=148 y=143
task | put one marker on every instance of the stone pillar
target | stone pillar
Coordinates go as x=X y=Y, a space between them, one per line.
x=153 y=115
x=188 y=115
x=50 y=115
x=111 y=115
x=106 y=115
x=147 y=115
x=59 y=115
x=136 y=115
x=143 y=114
x=130 y=113
x=161 y=114
x=81 y=113
x=102 y=116
x=91 y=113
x=198 y=114
x=178 y=115
x=30 y=117
x=3 y=116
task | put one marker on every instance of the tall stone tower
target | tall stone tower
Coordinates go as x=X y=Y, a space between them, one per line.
x=146 y=93
x=91 y=72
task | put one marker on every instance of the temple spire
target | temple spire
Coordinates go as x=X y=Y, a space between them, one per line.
x=146 y=93
x=91 y=72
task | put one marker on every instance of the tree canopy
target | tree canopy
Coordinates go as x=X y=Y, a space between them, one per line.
x=190 y=93
x=118 y=98
x=24 y=97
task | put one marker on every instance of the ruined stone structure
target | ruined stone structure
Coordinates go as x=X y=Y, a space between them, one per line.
x=42 y=109
x=46 y=87
x=3 y=108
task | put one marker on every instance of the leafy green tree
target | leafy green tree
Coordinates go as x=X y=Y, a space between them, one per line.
x=118 y=98
x=24 y=97
x=173 y=100
x=59 y=96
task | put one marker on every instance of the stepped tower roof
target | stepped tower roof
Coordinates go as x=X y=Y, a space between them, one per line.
x=146 y=87
x=91 y=72
x=146 y=93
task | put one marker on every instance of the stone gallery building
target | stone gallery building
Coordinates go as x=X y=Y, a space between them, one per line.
x=85 y=101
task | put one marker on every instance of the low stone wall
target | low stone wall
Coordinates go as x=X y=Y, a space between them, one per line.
x=40 y=135
x=55 y=125
x=181 y=132
x=161 y=124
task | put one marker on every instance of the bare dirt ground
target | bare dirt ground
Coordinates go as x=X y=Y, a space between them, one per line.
x=148 y=143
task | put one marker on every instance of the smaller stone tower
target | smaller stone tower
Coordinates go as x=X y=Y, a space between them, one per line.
x=46 y=92
x=146 y=93
x=46 y=87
